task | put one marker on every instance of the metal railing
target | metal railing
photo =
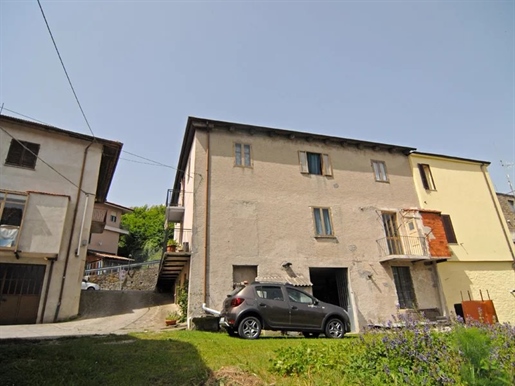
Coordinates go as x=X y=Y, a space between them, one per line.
x=403 y=245
x=118 y=268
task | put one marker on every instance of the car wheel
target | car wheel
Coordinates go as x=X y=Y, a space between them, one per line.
x=91 y=289
x=249 y=328
x=310 y=334
x=334 y=329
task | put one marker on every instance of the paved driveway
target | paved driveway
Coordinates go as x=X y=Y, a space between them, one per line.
x=142 y=319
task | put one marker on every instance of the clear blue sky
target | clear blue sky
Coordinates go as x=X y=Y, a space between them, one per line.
x=438 y=76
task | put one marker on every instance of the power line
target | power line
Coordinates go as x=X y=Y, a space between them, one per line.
x=153 y=163
x=42 y=160
x=64 y=68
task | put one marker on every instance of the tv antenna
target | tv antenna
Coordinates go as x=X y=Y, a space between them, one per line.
x=507 y=166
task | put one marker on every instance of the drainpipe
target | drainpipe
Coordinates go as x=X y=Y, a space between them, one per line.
x=499 y=216
x=52 y=261
x=67 y=258
x=206 y=235
x=79 y=243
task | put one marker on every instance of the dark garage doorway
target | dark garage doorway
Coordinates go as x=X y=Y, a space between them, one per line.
x=20 y=292
x=330 y=285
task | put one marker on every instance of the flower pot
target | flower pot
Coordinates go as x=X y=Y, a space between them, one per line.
x=171 y=248
x=171 y=322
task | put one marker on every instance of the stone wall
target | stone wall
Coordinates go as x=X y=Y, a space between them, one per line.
x=137 y=279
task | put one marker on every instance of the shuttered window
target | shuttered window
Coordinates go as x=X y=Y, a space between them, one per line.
x=315 y=163
x=23 y=154
x=449 y=229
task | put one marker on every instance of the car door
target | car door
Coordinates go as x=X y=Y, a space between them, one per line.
x=304 y=310
x=272 y=305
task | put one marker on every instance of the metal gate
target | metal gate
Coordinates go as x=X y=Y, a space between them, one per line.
x=20 y=292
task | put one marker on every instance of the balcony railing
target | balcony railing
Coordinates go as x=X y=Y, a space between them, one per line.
x=403 y=245
x=183 y=237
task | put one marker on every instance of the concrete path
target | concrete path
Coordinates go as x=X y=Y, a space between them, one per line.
x=138 y=320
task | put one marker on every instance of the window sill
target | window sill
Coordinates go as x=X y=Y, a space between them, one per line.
x=325 y=237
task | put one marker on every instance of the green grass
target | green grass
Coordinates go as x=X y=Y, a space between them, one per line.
x=168 y=358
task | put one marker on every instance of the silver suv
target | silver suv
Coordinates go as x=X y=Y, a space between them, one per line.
x=280 y=307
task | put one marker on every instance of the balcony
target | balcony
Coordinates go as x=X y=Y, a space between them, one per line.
x=98 y=221
x=174 y=209
x=403 y=248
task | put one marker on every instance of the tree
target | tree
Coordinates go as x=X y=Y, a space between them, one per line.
x=146 y=233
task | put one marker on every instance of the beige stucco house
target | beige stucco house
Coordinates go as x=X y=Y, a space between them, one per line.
x=105 y=235
x=482 y=258
x=337 y=217
x=50 y=180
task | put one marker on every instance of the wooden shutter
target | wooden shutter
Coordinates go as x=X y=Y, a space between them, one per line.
x=327 y=169
x=18 y=154
x=449 y=229
x=303 y=159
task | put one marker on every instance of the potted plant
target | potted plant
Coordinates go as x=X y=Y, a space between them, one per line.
x=172 y=318
x=171 y=245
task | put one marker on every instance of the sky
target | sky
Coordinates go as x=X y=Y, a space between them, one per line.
x=434 y=75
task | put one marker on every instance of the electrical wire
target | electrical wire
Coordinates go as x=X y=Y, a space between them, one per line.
x=153 y=163
x=65 y=71
x=46 y=163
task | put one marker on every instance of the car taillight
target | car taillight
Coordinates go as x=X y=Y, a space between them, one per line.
x=236 y=302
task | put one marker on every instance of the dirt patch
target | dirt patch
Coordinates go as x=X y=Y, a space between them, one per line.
x=234 y=376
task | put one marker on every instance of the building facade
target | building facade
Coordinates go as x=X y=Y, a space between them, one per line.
x=335 y=216
x=50 y=180
x=481 y=261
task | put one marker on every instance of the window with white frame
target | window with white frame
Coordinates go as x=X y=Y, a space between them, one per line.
x=380 y=171
x=315 y=163
x=242 y=155
x=12 y=207
x=323 y=223
x=113 y=217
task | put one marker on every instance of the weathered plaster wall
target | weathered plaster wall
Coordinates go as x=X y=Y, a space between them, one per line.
x=263 y=215
x=65 y=154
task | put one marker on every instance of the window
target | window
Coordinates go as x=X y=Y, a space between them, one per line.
x=380 y=171
x=242 y=155
x=449 y=229
x=12 y=207
x=427 y=177
x=269 y=292
x=315 y=163
x=23 y=154
x=299 y=297
x=113 y=217
x=323 y=226
x=404 y=287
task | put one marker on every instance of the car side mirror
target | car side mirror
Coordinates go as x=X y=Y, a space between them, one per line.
x=315 y=302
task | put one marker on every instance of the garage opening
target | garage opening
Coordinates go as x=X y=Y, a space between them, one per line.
x=330 y=285
x=20 y=292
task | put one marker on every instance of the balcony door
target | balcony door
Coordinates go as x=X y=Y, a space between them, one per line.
x=391 y=229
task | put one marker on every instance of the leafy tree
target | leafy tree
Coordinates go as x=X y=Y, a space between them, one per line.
x=146 y=233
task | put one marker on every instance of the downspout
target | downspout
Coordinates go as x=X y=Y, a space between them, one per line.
x=206 y=235
x=499 y=216
x=47 y=288
x=79 y=190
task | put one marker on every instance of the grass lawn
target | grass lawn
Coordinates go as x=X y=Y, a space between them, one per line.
x=167 y=358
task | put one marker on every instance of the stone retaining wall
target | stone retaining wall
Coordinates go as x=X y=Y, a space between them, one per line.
x=137 y=279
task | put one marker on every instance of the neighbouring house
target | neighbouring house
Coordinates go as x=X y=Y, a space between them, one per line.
x=336 y=217
x=507 y=202
x=50 y=179
x=481 y=253
x=105 y=235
